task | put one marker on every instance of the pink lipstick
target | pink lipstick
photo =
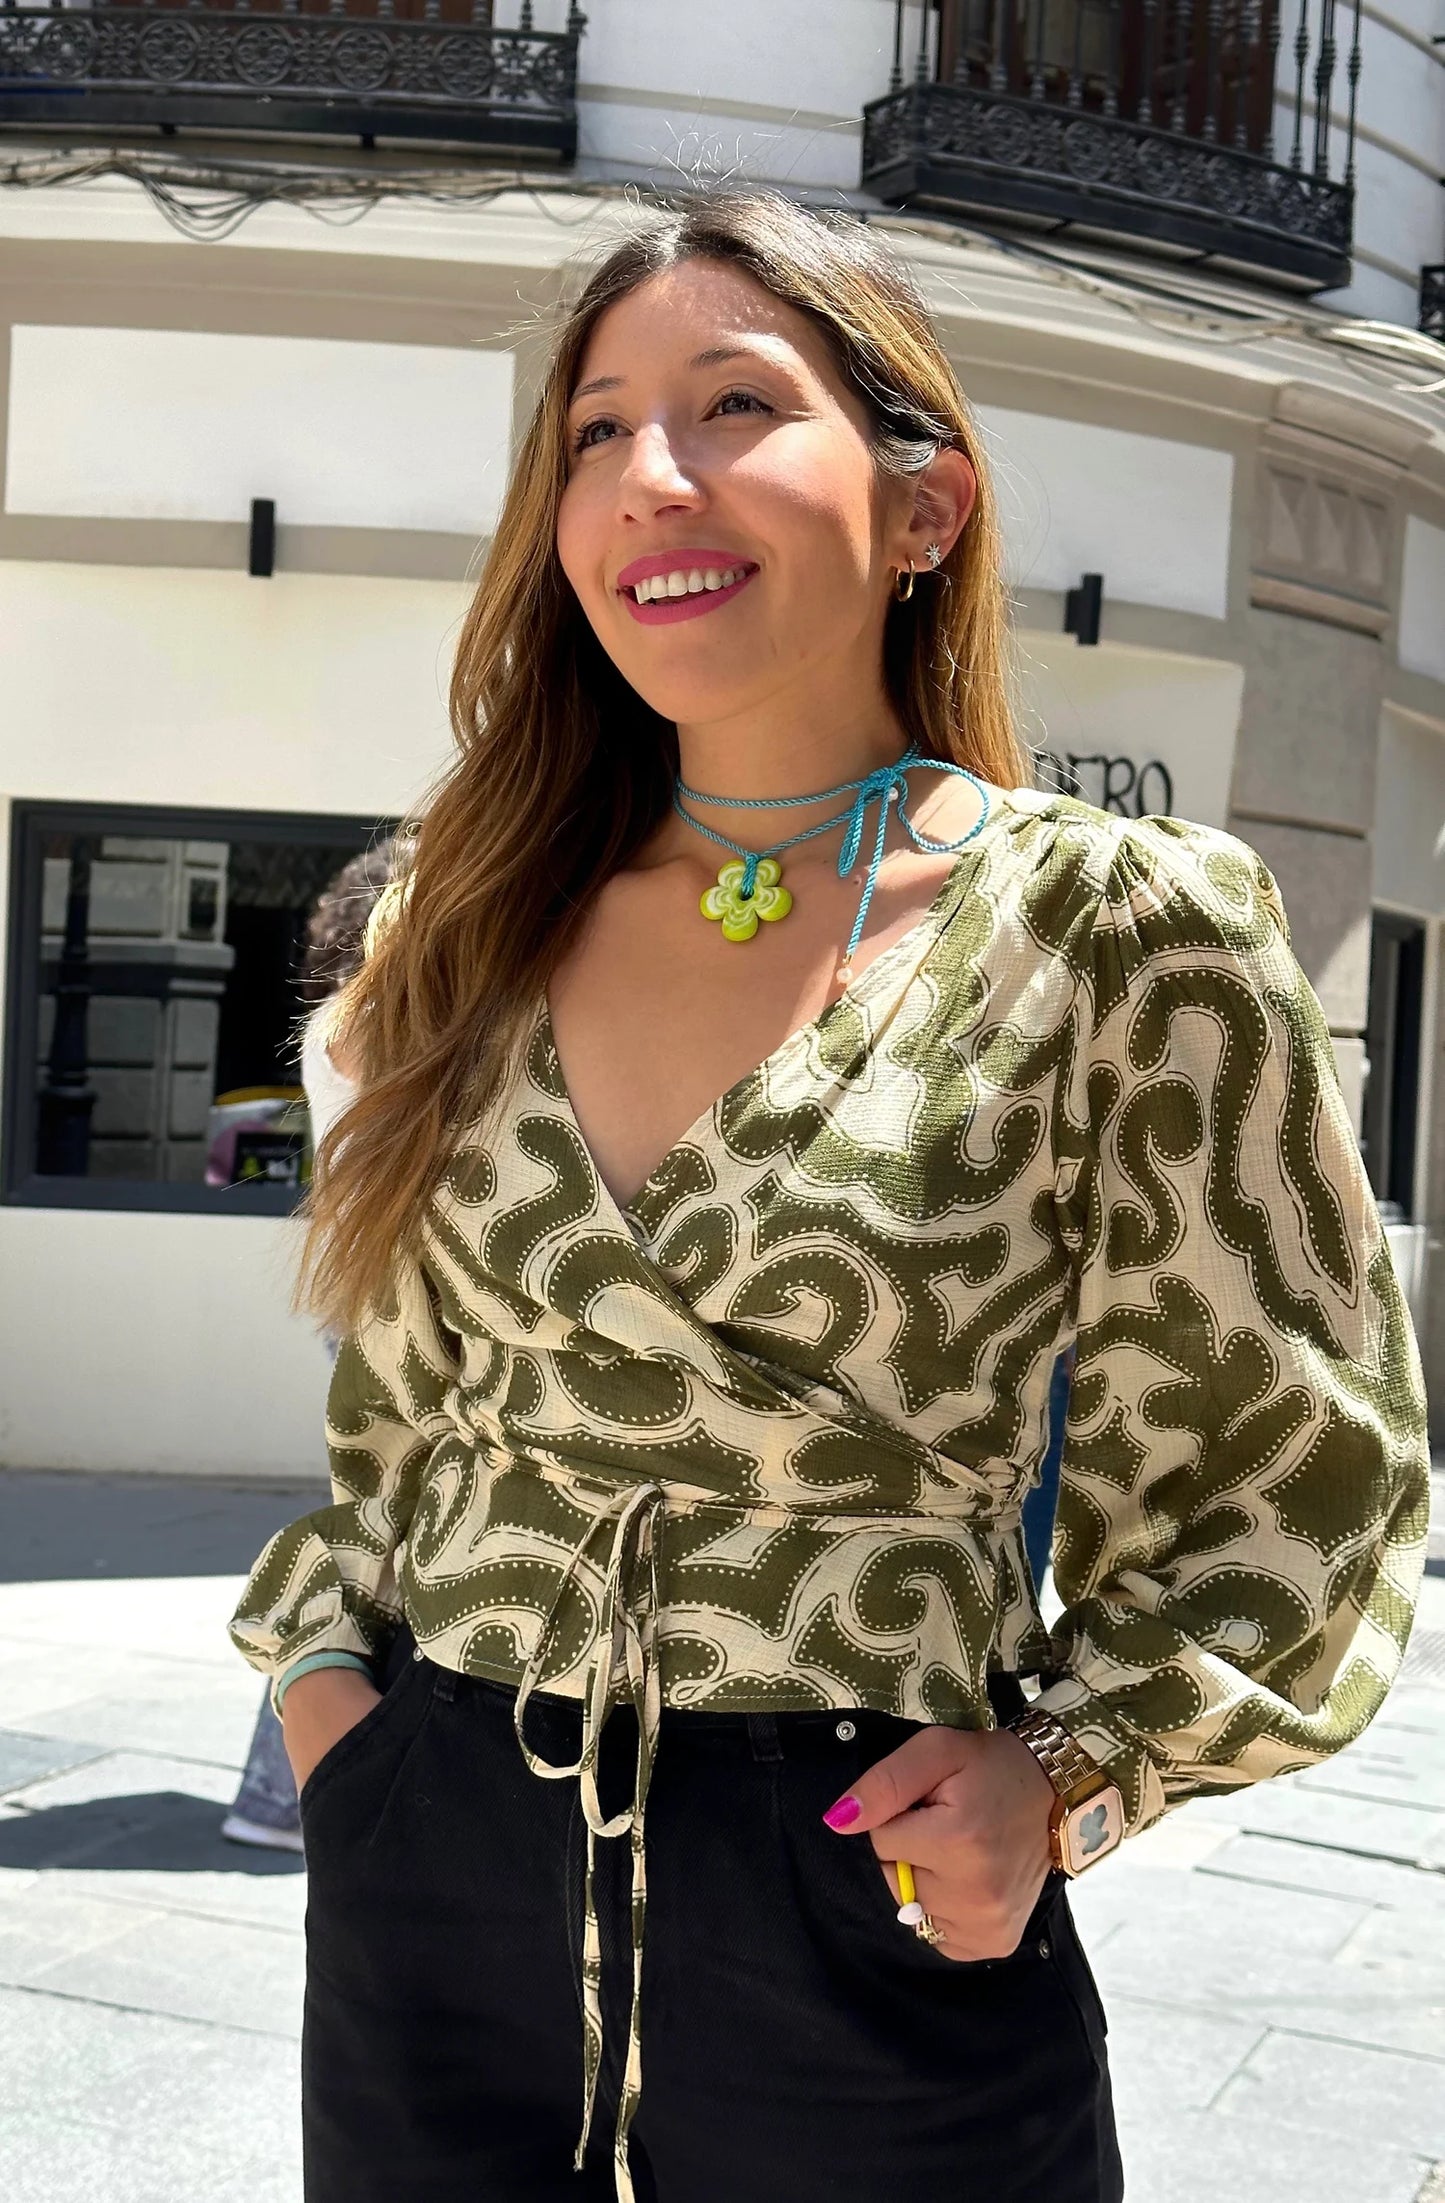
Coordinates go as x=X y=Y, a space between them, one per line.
x=695 y=561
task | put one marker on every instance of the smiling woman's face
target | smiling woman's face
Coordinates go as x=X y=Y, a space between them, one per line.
x=710 y=434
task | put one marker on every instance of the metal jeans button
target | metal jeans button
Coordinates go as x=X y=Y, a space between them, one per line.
x=846 y=1731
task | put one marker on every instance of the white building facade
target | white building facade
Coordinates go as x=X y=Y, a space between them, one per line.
x=1195 y=364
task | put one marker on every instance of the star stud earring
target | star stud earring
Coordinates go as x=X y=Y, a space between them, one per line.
x=935 y=555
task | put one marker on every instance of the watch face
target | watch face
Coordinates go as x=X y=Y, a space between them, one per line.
x=1088 y=1832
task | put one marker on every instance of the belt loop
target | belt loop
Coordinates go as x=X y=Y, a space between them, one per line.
x=445 y=1681
x=763 y=1736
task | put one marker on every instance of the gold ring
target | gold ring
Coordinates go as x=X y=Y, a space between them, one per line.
x=925 y=1930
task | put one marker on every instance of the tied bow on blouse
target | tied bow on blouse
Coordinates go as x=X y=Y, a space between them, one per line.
x=625 y=1644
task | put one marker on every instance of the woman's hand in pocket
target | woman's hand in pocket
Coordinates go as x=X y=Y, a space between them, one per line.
x=969 y=1809
x=317 y=1711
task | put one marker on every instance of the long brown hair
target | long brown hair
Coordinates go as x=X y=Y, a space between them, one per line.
x=563 y=770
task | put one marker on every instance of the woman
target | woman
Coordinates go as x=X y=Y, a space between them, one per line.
x=707 y=1244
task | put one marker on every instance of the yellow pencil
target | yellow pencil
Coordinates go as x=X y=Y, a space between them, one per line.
x=910 y=1912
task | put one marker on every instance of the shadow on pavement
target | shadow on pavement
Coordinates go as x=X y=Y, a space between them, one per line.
x=57 y=1526
x=162 y=1831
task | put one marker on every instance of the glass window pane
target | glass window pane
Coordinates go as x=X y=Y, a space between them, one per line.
x=1388 y=1135
x=166 y=1048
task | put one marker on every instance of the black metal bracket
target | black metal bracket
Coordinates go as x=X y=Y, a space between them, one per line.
x=263 y=538
x=1082 y=607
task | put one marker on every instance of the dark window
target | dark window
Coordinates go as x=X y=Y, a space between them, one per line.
x=152 y=1004
x=1203 y=67
x=1392 y=1052
x=202 y=903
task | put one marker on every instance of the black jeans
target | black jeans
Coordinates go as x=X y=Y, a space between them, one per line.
x=797 y=2044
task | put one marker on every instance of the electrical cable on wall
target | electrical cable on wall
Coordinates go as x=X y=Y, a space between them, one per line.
x=208 y=199
x=1221 y=321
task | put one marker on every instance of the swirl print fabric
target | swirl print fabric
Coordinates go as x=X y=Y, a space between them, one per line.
x=1089 y=1098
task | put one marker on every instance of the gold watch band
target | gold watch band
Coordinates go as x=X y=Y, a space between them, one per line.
x=1065 y=1762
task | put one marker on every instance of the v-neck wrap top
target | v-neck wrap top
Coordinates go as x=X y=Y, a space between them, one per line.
x=760 y=1440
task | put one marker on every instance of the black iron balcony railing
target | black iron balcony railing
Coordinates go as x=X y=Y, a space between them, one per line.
x=1202 y=127
x=1432 y=302
x=367 y=69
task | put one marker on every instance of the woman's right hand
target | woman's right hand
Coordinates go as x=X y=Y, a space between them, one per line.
x=317 y=1711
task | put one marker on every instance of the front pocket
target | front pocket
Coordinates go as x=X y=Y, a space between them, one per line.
x=1076 y=1977
x=357 y=1737
x=860 y=1871
x=882 y=1908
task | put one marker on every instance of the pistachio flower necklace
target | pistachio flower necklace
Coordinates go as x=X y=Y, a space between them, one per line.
x=749 y=891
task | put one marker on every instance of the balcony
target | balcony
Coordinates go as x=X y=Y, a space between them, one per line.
x=439 y=70
x=1190 y=128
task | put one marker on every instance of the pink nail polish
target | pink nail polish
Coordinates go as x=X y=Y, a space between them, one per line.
x=843 y=1814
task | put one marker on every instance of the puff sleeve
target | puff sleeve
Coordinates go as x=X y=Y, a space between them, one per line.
x=1246 y=1471
x=327 y=1584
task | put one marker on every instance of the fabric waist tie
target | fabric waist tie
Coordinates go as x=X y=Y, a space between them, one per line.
x=625 y=1643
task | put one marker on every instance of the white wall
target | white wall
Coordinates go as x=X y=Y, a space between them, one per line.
x=155 y=1342
x=1139 y=704
x=1409 y=1246
x=1150 y=514
x=1409 y=850
x=1422 y=599
x=772 y=88
x=150 y=1341
x=133 y=684
x=181 y=424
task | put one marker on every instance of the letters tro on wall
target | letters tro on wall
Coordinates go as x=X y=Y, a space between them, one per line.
x=1119 y=784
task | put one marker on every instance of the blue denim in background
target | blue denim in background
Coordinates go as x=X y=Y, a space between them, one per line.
x=265 y=1809
x=266 y=1799
x=1041 y=1505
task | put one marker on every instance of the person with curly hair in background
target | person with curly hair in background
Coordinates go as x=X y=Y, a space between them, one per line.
x=264 y=1813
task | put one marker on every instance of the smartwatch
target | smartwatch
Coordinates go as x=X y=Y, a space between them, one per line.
x=1087 y=1821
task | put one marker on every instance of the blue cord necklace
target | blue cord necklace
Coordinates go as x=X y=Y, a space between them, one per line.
x=750 y=889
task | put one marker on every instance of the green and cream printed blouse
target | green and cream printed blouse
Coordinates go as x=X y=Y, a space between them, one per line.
x=761 y=1439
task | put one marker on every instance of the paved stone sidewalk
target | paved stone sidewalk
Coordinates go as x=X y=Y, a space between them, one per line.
x=1274 y=1964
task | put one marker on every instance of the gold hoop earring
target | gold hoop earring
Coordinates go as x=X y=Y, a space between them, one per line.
x=902 y=595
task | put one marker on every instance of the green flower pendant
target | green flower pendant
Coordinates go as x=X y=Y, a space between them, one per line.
x=740 y=913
